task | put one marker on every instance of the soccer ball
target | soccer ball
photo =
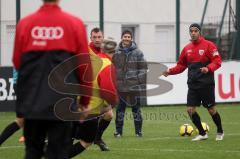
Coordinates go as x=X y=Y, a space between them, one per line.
x=205 y=128
x=186 y=129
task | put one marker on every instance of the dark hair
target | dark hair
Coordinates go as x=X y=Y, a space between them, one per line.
x=126 y=32
x=95 y=30
x=196 y=25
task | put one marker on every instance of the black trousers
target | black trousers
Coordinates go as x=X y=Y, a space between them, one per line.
x=86 y=130
x=58 y=134
x=134 y=103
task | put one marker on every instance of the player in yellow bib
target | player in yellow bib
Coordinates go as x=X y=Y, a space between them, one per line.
x=98 y=107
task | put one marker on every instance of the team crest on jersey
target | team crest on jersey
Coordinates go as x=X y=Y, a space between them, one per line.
x=201 y=52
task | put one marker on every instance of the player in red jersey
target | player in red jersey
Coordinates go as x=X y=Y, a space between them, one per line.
x=201 y=57
x=100 y=114
x=43 y=40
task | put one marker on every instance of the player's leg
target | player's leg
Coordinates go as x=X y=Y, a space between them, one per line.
x=120 y=112
x=35 y=133
x=104 y=123
x=197 y=122
x=208 y=100
x=217 y=120
x=194 y=116
x=59 y=139
x=193 y=101
x=78 y=147
x=11 y=129
x=84 y=132
x=137 y=115
x=102 y=126
x=20 y=122
x=134 y=101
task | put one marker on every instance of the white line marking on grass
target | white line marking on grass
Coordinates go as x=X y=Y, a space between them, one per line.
x=11 y=147
x=233 y=134
x=181 y=137
x=166 y=138
x=231 y=123
x=149 y=149
x=177 y=150
x=169 y=150
x=154 y=139
x=8 y=121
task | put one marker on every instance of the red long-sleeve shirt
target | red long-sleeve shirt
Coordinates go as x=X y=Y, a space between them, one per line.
x=43 y=32
x=44 y=40
x=195 y=55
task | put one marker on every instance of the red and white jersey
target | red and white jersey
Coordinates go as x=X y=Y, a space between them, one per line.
x=49 y=29
x=43 y=41
x=195 y=55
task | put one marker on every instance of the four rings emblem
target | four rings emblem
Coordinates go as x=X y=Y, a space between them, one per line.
x=47 y=33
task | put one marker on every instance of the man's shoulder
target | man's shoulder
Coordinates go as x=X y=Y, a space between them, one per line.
x=62 y=15
x=209 y=42
x=138 y=51
x=188 y=45
x=27 y=18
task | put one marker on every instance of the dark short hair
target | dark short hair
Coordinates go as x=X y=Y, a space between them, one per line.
x=196 y=25
x=95 y=30
x=126 y=32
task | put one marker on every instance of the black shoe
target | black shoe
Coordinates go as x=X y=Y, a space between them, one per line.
x=102 y=145
x=117 y=135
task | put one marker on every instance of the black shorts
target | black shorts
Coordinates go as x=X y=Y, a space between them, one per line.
x=86 y=130
x=204 y=96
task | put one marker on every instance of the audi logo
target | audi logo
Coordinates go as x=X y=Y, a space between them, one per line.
x=47 y=33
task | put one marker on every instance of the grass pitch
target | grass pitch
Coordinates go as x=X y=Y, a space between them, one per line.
x=160 y=137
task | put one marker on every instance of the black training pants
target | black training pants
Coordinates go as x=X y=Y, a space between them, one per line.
x=58 y=134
